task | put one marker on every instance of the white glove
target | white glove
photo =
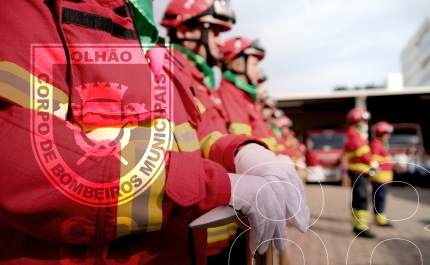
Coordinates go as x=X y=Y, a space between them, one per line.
x=374 y=168
x=374 y=165
x=285 y=158
x=254 y=159
x=254 y=197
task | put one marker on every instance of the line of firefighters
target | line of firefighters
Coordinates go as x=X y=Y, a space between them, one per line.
x=240 y=104
x=217 y=132
x=217 y=136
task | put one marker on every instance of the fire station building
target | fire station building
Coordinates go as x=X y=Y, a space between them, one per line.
x=328 y=110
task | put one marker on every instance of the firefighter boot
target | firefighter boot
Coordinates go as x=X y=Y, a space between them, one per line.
x=360 y=220
x=381 y=220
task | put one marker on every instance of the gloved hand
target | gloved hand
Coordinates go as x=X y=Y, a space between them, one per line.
x=254 y=197
x=285 y=158
x=374 y=168
x=254 y=159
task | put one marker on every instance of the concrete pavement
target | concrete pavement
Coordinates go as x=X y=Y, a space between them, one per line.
x=331 y=240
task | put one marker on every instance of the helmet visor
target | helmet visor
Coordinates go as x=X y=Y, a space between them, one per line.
x=366 y=116
x=255 y=49
x=221 y=9
x=257 y=45
x=390 y=129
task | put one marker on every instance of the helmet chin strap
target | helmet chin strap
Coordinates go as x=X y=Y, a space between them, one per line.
x=210 y=59
x=204 y=40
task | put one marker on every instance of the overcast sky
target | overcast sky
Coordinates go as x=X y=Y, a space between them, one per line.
x=315 y=45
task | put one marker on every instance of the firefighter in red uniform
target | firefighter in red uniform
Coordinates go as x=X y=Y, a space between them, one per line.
x=194 y=50
x=238 y=90
x=287 y=134
x=193 y=29
x=384 y=176
x=41 y=220
x=286 y=124
x=266 y=105
x=360 y=161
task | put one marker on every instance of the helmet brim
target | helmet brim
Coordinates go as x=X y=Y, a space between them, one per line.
x=224 y=25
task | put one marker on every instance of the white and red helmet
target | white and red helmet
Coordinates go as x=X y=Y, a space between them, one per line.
x=238 y=46
x=382 y=128
x=357 y=114
x=286 y=121
x=217 y=12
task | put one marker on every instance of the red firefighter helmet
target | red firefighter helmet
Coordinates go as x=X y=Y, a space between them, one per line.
x=285 y=121
x=382 y=128
x=218 y=12
x=237 y=46
x=356 y=115
x=278 y=113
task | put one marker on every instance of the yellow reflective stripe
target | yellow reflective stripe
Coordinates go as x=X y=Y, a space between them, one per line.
x=383 y=176
x=362 y=150
x=381 y=159
x=10 y=93
x=221 y=233
x=175 y=147
x=12 y=74
x=134 y=216
x=144 y=211
x=271 y=142
x=156 y=193
x=350 y=155
x=280 y=147
x=359 y=152
x=125 y=210
x=358 y=167
x=200 y=106
x=186 y=137
x=240 y=129
x=207 y=142
x=155 y=203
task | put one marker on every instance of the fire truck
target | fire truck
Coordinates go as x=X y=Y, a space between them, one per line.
x=324 y=155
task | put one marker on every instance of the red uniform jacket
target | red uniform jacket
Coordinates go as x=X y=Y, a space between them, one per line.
x=383 y=157
x=210 y=108
x=42 y=221
x=209 y=103
x=357 y=151
x=244 y=118
x=215 y=125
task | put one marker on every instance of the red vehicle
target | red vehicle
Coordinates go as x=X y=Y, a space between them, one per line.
x=324 y=153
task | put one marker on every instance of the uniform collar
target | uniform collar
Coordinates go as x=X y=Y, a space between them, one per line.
x=200 y=63
x=145 y=24
x=239 y=83
x=386 y=144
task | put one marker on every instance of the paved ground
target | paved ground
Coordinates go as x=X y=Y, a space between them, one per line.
x=331 y=240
